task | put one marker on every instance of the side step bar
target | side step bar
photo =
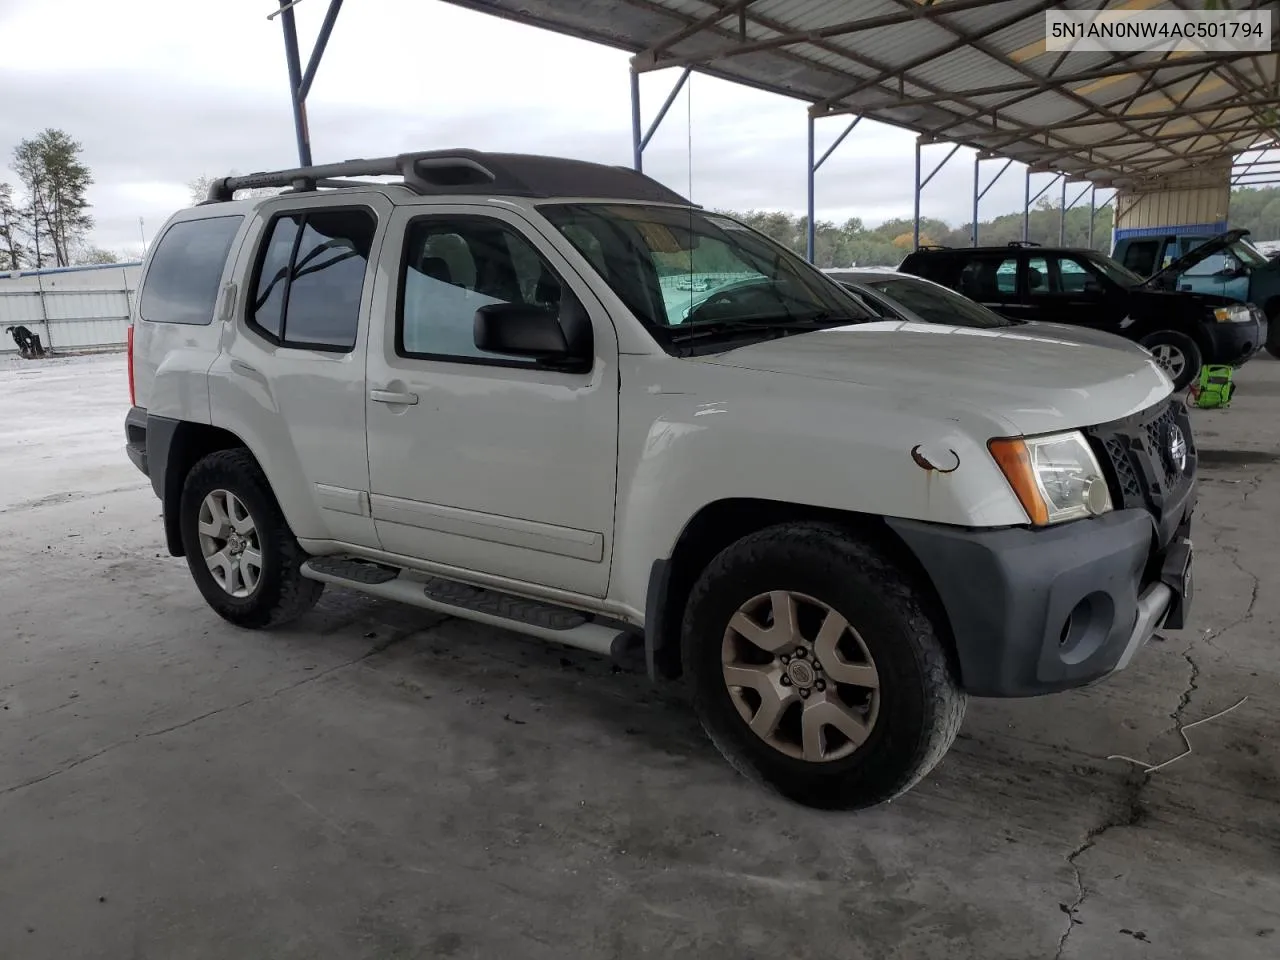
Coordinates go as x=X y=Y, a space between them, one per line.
x=519 y=614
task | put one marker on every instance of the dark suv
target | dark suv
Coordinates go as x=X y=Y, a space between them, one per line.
x=1085 y=288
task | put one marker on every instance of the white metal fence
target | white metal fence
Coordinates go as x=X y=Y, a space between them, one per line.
x=71 y=309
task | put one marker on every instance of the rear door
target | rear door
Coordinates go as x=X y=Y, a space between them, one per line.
x=291 y=379
x=991 y=278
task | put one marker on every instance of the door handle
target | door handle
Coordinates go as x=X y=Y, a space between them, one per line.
x=393 y=396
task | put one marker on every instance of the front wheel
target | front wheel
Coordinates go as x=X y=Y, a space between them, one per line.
x=1176 y=354
x=241 y=552
x=817 y=670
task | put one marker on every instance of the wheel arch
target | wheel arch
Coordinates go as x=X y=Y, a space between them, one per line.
x=723 y=522
x=174 y=447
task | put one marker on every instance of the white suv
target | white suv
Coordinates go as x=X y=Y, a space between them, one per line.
x=481 y=389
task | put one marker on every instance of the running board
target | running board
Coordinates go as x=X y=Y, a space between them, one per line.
x=520 y=614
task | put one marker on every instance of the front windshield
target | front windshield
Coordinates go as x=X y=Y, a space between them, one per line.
x=1247 y=253
x=680 y=270
x=1114 y=270
x=934 y=303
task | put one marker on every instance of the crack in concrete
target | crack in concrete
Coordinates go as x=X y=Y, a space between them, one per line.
x=1130 y=814
x=396 y=636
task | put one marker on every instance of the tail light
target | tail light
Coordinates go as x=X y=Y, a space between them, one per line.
x=133 y=394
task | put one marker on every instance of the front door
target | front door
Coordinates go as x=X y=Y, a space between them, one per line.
x=1074 y=291
x=479 y=462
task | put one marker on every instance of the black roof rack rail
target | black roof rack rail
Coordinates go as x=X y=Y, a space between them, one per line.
x=933 y=246
x=1023 y=243
x=465 y=172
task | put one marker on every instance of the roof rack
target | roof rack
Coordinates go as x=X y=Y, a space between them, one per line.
x=1023 y=243
x=933 y=246
x=465 y=172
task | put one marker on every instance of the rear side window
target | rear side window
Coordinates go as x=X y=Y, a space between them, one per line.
x=940 y=268
x=987 y=278
x=1140 y=256
x=185 y=269
x=310 y=278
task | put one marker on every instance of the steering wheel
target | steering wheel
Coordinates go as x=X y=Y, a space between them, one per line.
x=739 y=298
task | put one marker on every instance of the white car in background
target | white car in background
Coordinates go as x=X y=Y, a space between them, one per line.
x=901 y=296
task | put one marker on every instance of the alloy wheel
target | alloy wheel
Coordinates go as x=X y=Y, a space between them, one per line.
x=800 y=676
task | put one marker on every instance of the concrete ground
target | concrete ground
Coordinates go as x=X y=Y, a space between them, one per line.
x=377 y=782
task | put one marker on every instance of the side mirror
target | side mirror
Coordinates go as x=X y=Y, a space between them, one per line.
x=555 y=339
x=1230 y=266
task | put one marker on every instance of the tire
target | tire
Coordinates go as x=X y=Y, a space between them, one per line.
x=908 y=720
x=1273 y=332
x=1174 y=346
x=274 y=594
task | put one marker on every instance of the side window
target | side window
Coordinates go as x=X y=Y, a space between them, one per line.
x=1214 y=263
x=1073 y=277
x=454 y=266
x=311 y=272
x=186 y=267
x=1038 y=276
x=990 y=278
x=940 y=268
x=1140 y=256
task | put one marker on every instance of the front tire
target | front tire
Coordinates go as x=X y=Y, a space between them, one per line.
x=1176 y=354
x=241 y=553
x=816 y=669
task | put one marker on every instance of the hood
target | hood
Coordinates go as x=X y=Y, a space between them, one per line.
x=1036 y=382
x=1200 y=253
x=1096 y=338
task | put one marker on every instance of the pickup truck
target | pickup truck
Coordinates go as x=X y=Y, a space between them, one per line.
x=466 y=386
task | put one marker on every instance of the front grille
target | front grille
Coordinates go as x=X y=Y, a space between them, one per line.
x=1138 y=451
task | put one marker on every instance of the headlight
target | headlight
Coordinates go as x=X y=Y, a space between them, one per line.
x=1055 y=477
x=1239 y=313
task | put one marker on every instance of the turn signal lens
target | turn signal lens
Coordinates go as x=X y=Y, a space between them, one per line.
x=1014 y=460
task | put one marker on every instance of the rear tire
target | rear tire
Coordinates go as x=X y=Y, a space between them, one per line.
x=241 y=552
x=847 y=695
x=1176 y=354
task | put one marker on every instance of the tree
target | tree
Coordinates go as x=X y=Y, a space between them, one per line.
x=13 y=255
x=96 y=255
x=56 y=218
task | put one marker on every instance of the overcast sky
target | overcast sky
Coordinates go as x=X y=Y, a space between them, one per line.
x=162 y=92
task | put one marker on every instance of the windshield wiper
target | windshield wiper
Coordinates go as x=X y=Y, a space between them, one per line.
x=711 y=328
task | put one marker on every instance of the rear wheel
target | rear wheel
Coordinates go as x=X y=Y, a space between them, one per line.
x=241 y=552
x=816 y=669
x=1177 y=354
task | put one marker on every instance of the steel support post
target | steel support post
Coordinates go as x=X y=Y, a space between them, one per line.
x=1026 y=209
x=638 y=140
x=637 y=152
x=810 y=232
x=294 y=64
x=1062 y=221
x=814 y=166
x=915 y=229
x=921 y=184
x=1093 y=211
x=979 y=194
x=300 y=82
x=977 y=165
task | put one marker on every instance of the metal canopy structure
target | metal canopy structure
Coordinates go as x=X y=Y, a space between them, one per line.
x=973 y=72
